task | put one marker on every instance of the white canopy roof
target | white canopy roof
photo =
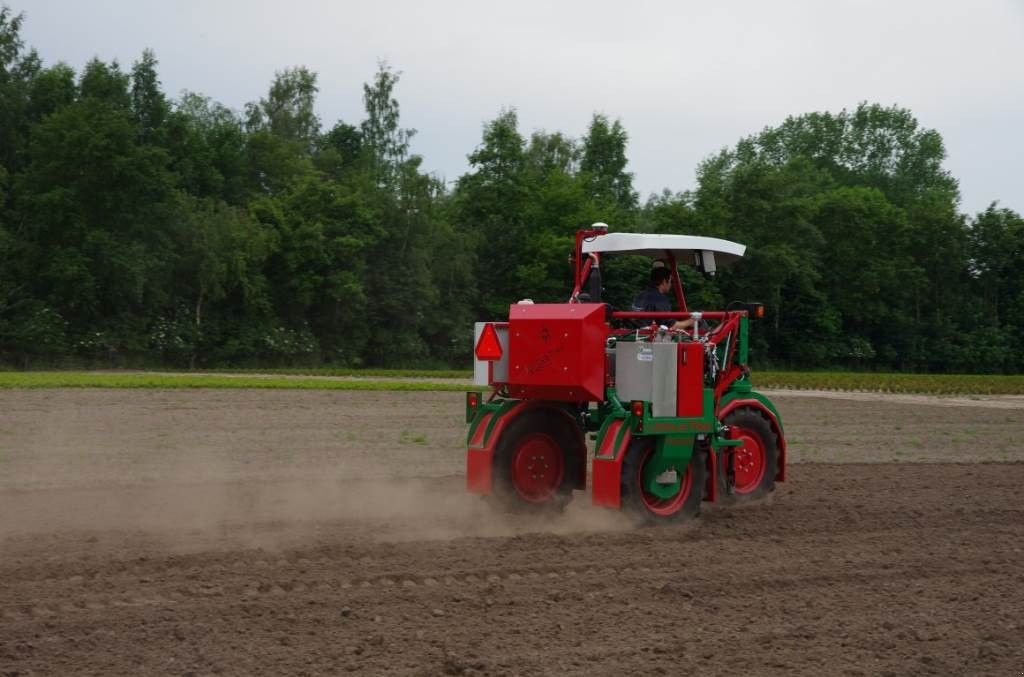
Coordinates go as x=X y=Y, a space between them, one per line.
x=686 y=248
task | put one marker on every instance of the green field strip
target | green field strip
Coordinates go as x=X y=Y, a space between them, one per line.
x=143 y=380
x=356 y=372
x=923 y=384
x=419 y=380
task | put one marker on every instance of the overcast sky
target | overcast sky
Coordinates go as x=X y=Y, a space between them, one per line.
x=685 y=78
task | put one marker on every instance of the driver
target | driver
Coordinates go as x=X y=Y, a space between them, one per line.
x=654 y=298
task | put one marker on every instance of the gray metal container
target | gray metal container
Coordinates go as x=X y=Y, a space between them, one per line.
x=647 y=371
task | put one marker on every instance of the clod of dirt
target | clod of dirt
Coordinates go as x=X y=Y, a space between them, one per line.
x=453 y=665
x=438 y=612
x=674 y=589
x=345 y=612
x=923 y=635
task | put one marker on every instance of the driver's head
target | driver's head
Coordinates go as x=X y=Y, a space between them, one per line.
x=661 y=279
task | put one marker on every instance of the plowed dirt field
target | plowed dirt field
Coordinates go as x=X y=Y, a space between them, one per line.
x=274 y=532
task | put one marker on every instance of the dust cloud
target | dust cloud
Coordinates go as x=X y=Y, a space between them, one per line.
x=207 y=469
x=330 y=504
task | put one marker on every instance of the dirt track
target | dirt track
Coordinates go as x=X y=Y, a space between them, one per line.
x=322 y=532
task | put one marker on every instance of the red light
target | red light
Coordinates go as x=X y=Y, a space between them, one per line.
x=472 y=399
x=638 y=408
x=488 y=347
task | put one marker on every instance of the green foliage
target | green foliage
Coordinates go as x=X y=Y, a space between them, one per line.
x=287 y=111
x=603 y=164
x=207 y=146
x=386 y=143
x=412 y=438
x=137 y=229
x=856 y=245
x=149 y=105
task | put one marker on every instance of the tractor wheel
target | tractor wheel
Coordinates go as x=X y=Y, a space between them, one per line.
x=646 y=506
x=754 y=464
x=535 y=462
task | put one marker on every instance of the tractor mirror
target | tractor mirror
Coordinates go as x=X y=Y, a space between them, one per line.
x=706 y=262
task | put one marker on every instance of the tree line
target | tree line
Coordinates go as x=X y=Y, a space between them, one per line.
x=137 y=229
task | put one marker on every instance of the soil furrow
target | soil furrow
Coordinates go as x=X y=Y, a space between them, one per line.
x=268 y=533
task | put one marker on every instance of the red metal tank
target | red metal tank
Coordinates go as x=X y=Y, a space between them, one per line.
x=556 y=351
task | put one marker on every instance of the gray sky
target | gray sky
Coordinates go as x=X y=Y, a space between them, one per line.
x=685 y=78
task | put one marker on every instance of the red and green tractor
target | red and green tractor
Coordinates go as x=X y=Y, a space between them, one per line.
x=673 y=414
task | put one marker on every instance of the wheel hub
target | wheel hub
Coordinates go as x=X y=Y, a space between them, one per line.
x=749 y=462
x=537 y=468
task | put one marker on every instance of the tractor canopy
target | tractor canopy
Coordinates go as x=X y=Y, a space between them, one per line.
x=705 y=252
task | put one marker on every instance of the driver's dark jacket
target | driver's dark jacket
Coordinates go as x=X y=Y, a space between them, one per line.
x=651 y=300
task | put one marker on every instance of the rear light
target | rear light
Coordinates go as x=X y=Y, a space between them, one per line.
x=472 y=402
x=754 y=310
x=638 y=408
x=488 y=348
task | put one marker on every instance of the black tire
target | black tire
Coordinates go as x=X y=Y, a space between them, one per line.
x=754 y=465
x=648 y=508
x=525 y=476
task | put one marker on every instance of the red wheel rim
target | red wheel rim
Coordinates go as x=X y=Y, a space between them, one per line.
x=663 y=506
x=748 y=462
x=537 y=468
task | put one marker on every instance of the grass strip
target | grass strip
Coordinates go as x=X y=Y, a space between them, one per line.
x=363 y=373
x=72 y=379
x=927 y=384
x=930 y=384
x=934 y=384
